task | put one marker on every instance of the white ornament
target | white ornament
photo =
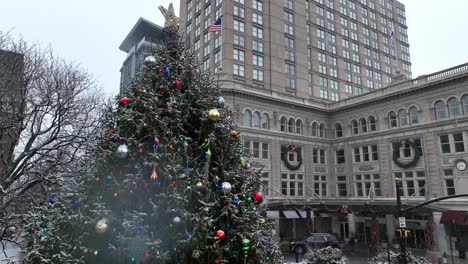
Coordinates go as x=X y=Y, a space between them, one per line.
x=227 y=187
x=122 y=151
x=101 y=226
x=176 y=220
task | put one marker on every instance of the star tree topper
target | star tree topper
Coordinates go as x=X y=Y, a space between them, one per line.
x=171 y=19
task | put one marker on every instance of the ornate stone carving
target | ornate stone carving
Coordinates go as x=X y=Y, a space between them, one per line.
x=365 y=168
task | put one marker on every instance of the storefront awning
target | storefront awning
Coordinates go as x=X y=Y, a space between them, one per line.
x=454 y=217
x=291 y=215
x=273 y=215
x=303 y=214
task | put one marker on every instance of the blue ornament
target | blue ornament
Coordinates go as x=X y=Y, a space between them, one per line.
x=221 y=102
x=139 y=227
x=228 y=225
x=52 y=199
x=235 y=201
x=186 y=236
x=168 y=72
x=76 y=202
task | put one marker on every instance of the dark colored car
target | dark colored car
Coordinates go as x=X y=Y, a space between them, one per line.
x=314 y=241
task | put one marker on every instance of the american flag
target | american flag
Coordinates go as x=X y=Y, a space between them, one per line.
x=216 y=26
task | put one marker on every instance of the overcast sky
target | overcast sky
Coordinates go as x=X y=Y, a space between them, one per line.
x=89 y=31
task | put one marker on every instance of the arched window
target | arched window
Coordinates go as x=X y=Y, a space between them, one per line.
x=247 y=118
x=299 y=127
x=372 y=125
x=314 y=129
x=322 y=130
x=265 y=121
x=453 y=106
x=291 y=125
x=355 y=126
x=392 y=120
x=363 y=124
x=284 y=122
x=413 y=113
x=440 y=110
x=256 y=119
x=403 y=116
x=465 y=104
x=338 y=130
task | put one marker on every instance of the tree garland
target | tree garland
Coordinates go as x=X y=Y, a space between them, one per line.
x=284 y=157
x=413 y=162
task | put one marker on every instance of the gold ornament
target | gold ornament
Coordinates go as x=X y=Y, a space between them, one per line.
x=199 y=185
x=214 y=115
x=101 y=226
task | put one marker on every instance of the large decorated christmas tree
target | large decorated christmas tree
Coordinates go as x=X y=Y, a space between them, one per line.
x=165 y=183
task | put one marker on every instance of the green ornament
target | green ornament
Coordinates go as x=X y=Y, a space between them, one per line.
x=208 y=154
x=245 y=242
x=249 y=199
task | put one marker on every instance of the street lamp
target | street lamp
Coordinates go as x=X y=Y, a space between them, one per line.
x=398 y=185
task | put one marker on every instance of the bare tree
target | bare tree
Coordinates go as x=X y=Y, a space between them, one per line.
x=49 y=111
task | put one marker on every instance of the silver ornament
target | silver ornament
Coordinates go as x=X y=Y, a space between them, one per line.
x=122 y=151
x=227 y=187
x=150 y=60
x=196 y=254
x=176 y=220
x=101 y=226
x=221 y=102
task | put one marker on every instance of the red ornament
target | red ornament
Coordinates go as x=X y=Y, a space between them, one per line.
x=177 y=84
x=258 y=197
x=154 y=176
x=124 y=102
x=233 y=134
x=220 y=235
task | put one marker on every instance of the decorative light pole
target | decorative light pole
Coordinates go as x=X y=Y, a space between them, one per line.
x=398 y=185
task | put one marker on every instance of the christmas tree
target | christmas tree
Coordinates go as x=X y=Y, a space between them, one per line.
x=165 y=183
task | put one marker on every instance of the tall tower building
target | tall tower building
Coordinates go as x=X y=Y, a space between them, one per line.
x=327 y=49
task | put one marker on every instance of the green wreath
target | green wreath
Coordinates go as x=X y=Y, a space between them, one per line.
x=413 y=162
x=284 y=158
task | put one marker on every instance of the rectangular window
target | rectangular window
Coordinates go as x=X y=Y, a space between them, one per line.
x=257 y=18
x=238 y=55
x=257 y=75
x=257 y=60
x=375 y=152
x=292 y=184
x=257 y=46
x=320 y=185
x=238 y=70
x=368 y=185
x=342 y=189
x=357 y=154
x=257 y=32
x=445 y=144
x=239 y=26
x=340 y=156
x=239 y=40
x=257 y=5
x=458 y=142
x=239 y=11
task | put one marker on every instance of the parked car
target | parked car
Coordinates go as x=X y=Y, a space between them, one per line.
x=314 y=241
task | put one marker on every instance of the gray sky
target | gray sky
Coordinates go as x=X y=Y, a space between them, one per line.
x=89 y=31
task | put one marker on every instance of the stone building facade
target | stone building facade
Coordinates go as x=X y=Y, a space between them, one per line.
x=348 y=150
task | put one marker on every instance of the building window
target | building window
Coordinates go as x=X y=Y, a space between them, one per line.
x=341 y=185
x=256 y=120
x=363 y=123
x=449 y=182
x=465 y=104
x=257 y=75
x=291 y=124
x=413 y=182
x=452 y=143
x=239 y=11
x=239 y=26
x=265 y=187
x=239 y=40
x=247 y=118
x=403 y=116
x=238 y=70
x=318 y=156
x=355 y=127
x=368 y=185
x=283 y=125
x=258 y=150
x=320 y=185
x=292 y=184
x=257 y=46
x=288 y=29
x=340 y=156
x=453 y=106
x=322 y=130
x=257 y=32
x=372 y=124
x=265 y=121
x=392 y=120
x=413 y=114
x=299 y=127
x=257 y=18
x=338 y=130
x=238 y=55
x=440 y=110
x=257 y=5
x=366 y=153
x=314 y=129
x=257 y=60
x=406 y=150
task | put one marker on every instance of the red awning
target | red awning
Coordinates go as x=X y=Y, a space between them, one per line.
x=454 y=217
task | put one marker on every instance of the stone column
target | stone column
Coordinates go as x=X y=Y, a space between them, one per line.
x=440 y=235
x=390 y=223
x=351 y=224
